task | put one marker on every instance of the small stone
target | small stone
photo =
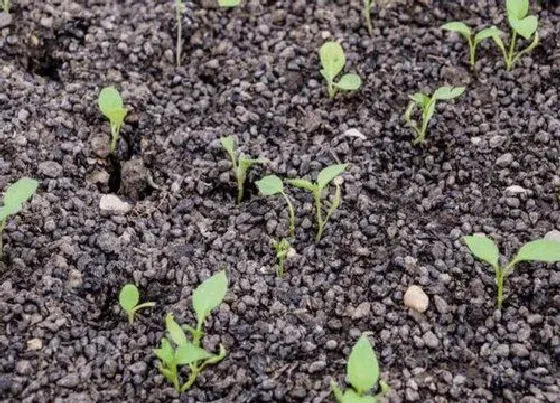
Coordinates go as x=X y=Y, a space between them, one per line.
x=441 y=305
x=50 y=168
x=34 y=344
x=75 y=278
x=353 y=132
x=24 y=367
x=515 y=189
x=416 y=298
x=5 y=19
x=430 y=339
x=361 y=311
x=138 y=367
x=317 y=366
x=113 y=205
x=504 y=160
x=100 y=146
x=70 y=381
x=553 y=235
x=101 y=177
x=476 y=140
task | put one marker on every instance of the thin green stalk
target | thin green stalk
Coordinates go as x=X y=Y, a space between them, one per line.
x=509 y=60
x=6 y=5
x=500 y=283
x=280 y=268
x=2 y=226
x=114 y=137
x=367 y=15
x=178 y=45
x=136 y=308
x=318 y=215
x=335 y=202
x=472 y=52
x=292 y=215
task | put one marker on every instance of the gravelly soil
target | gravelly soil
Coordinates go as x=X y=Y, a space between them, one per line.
x=253 y=72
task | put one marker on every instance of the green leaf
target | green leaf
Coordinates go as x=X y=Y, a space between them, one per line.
x=129 y=297
x=349 y=82
x=486 y=33
x=270 y=185
x=228 y=143
x=176 y=334
x=363 y=368
x=332 y=59
x=526 y=27
x=447 y=93
x=351 y=396
x=541 y=250
x=19 y=192
x=428 y=111
x=165 y=353
x=517 y=9
x=209 y=295
x=188 y=353
x=458 y=27
x=247 y=162
x=327 y=174
x=483 y=248
x=302 y=184
x=111 y=105
x=337 y=392
x=229 y=3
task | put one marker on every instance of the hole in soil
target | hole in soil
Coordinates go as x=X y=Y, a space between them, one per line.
x=42 y=62
x=114 y=171
x=74 y=29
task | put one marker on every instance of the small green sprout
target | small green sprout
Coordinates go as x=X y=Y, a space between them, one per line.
x=128 y=300
x=521 y=24
x=283 y=252
x=112 y=107
x=368 y=5
x=229 y=3
x=472 y=39
x=14 y=197
x=272 y=185
x=6 y=6
x=428 y=107
x=333 y=61
x=177 y=350
x=325 y=177
x=362 y=372
x=241 y=165
x=541 y=250
x=179 y=10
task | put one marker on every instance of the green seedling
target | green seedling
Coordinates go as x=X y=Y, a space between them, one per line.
x=541 y=250
x=326 y=176
x=14 y=197
x=333 y=61
x=428 y=107
x=179 y=10
x=241 y=165
x=362 y=373
x=368 y=7
x=112 y=107
x=520 y=24
x=6 y=6
x=283 y=252
x=229 y=3
x=128 y=300
x=177 y=350
x=271 y=185
x=472 y=39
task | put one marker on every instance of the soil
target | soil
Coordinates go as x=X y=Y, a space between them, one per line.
x=253 y=72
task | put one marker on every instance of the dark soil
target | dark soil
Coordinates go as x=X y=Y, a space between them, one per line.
x=253 y=72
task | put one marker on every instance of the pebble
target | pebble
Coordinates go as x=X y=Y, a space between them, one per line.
x=416 y=298
x=515 y=189
x=553 y=235
x=111 y=204
x=51 y=169
x=34 y=344
x=361 y=311
x=5 y=20
x=504 y=160
x=430 y=339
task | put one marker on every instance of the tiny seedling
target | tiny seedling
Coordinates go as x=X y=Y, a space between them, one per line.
x=179 y=10
x=362 y=373
x=428 y=107
x=112 y=107
x=272 y=185
x=520 y=24
x=333 y=61
x=14 y=197
x=283 y=250
x=128 y=300
x=241 y=165
x=175 y=348
x=325 y=177
x=368 y=7
x=6 y=5
x=229 y=3
x=541 y=250
x=472 y=39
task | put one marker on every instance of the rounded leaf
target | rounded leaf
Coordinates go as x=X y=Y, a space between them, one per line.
x=447 y=93
x=517 y=9
x=210 y=294
x=458 y=27
x=188 y=353
x=19 y=192
x=228 y=143
x=541 y=250
x=228 y=3
x=176 y=333
x=526 y=27
x=487 y=33
x=332 y=59
x=329 y=173
x=483 y=248
x=111 y=104
x=349 y=82
x=129 y=297
x=363 y=367
x=270 y=185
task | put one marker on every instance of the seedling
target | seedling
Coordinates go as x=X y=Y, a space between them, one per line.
x=14 y=197
x=428 y=107
x=241 y=165
x=272 y=185
x=520 y=24
x=283 y=252
x=6 y=6
x=472 y=39
x=541 y=250
x=229 y=3
x=112 y=107
x=179 y=10
x=333 y=61
x=362 y=372
x=128 y=300
x=177 y=350
x=325 y=177
x=368 y=7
